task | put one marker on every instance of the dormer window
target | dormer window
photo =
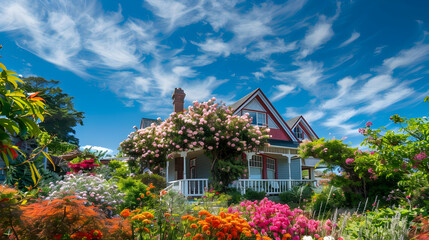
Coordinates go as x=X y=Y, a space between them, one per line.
x=298 y=133
x=259 y=119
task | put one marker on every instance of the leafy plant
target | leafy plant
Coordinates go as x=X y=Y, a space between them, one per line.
x=298 y=196
x=158 y=181
x=19 y=114
x=253 y=195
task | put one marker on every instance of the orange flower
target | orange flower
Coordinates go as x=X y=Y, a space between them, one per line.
x=167 y=215
x=147 y=230
x=193 y=225
x=151 y=185
x=266 y=238
x=125 y=213
x=187 y=235
x=163 y=192
x=147 y=193
x=204 y=212
x=286 y=236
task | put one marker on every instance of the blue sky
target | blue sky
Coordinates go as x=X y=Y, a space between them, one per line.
x=339 y=63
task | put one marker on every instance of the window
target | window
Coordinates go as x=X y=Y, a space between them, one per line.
x=259 y=119
x=255 y=167
x=271 y=168
x=298 y=133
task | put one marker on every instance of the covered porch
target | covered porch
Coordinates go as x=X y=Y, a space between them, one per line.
x=273 y=170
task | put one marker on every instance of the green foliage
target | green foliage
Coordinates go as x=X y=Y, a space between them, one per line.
x=297 y=196
x=212 y=201
x=134 y=190
x=62 y=117
x=236 y=196
x=119 y=169
x=385 y=223
x=324 y=202
x=227 y=171
x=55 y=145
x=253 y=195
x=19 y=114
x=158 y=181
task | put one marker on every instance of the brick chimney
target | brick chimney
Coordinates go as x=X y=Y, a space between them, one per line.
x=178 y=100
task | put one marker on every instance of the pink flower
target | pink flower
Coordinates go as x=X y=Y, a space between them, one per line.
x=349 y=161
x=371 y=171
x=368 y=124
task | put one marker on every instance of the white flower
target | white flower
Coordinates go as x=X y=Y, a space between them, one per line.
x=307 y=238
x=328 y=238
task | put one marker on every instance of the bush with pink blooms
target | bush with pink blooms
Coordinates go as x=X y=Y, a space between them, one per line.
x=276 y=220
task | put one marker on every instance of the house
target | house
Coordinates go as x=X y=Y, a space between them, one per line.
x=274 y=169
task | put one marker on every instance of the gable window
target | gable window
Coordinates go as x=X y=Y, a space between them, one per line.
x=298 y=132
x=255 y=165
x=259 y=119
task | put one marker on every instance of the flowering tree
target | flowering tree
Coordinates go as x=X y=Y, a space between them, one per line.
x=392 y=158
x=208 y=126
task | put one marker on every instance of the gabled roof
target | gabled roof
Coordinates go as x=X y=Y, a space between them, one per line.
x=237 y=106
x=292 y=123
x=243 y=99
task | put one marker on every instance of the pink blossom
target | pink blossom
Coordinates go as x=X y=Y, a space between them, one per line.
x=371 y=171
x=368 y=124
x=349 y=161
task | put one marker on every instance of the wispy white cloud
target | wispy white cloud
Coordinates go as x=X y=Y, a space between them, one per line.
x=216 y=46
x=264 y=49
x=318 y=34
x=307 y=75
x=281 y=92
x=379 y=49
x=177 y=13
x=408 y=57
x=353 y=37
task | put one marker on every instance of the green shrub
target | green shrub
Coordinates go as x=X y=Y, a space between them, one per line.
x=158 y=181
x=135 y=194
x=326 y=200
x=254 y=195
x=235 y=195
x=297 y=196
x=119 y=169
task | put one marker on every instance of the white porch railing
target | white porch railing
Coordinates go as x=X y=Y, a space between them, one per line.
x=189 y=187
x=270 y=186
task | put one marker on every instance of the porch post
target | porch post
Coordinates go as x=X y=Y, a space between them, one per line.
x=166 y=171
x=289 y=183
x=183 y=155
x=185 y=188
